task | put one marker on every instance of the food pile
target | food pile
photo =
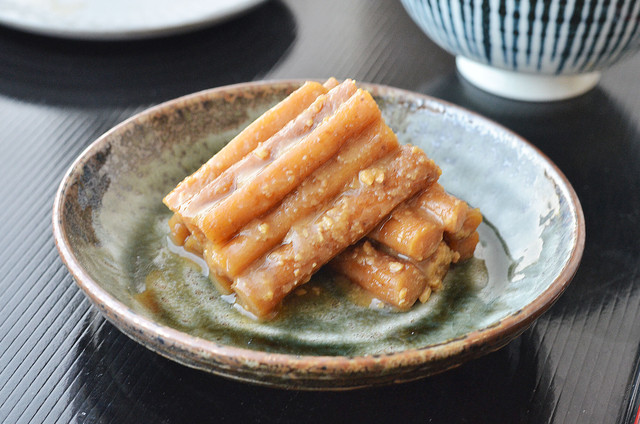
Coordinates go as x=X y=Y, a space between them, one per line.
x=321 y=179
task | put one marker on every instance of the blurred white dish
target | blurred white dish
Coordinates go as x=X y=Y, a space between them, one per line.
x=116 y=19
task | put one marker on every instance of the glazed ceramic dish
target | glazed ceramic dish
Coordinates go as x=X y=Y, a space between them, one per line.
x=531 y=50
x=116 y=19
x=111 y=230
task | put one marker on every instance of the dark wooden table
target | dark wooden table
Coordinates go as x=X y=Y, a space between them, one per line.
x=60 y=361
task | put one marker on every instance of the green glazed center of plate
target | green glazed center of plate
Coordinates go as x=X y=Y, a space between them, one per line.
x=327 y=316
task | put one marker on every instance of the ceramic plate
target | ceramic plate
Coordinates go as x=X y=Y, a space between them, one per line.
x=111 y=230
x=116 y=19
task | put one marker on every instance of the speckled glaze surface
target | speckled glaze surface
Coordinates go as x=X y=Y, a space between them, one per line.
x=110 y=228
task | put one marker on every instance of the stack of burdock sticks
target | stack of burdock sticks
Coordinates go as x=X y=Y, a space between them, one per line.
x=320 y=177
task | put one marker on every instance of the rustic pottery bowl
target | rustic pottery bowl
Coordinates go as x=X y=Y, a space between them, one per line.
x=531 y=50
x=110 y=227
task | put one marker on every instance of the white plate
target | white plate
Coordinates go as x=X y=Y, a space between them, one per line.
x=116 y=19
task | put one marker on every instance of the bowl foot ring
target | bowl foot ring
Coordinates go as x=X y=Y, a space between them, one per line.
x=524 y=86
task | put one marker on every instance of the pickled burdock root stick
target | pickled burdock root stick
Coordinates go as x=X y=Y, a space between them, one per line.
x=449 y=209
x=224 y=218
x=393 y=280
x=263 y=233
x=465 y=246
x=410 y=231
x=470 y=224
x=179 y=233
x=371 y=195
x=416 y=227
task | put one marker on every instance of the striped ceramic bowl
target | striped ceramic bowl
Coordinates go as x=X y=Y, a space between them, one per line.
x=534 y=49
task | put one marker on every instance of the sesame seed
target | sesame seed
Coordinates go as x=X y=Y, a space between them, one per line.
x=366 y=177
x=403 y=293
x=395 y=267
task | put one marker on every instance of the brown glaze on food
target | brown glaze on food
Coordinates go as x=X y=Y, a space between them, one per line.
x=394 y=280
x=263 y=233
x=313 y=242
x=465 y=246
x=222 y=220
x=410 y=232
x=308 y=180
x=450 y=210
x=265 y=153
x=261 y=129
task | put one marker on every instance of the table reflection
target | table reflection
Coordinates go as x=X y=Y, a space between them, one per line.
x=116 y=380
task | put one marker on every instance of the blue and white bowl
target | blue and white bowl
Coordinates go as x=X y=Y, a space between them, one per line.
x=534 y=50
